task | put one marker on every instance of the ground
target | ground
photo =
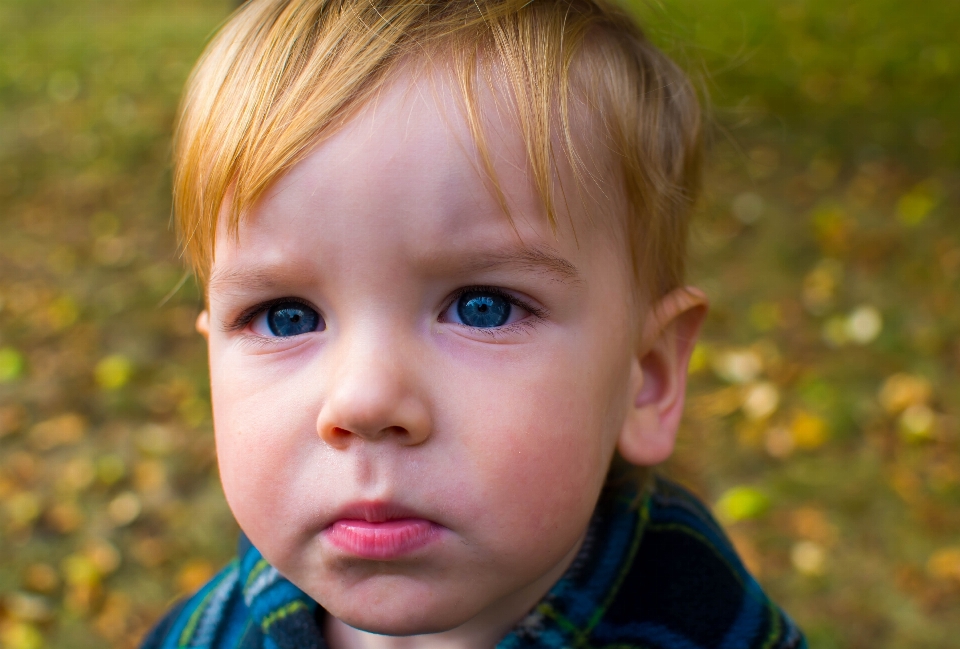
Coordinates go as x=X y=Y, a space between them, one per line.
x=823 y=423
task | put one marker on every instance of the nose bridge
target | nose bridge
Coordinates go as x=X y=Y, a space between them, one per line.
x=373 y=390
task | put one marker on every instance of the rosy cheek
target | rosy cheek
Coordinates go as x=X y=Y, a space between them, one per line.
x=254 y=458
x=540 y=463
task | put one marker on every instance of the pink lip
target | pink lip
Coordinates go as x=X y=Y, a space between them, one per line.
x=380 y=531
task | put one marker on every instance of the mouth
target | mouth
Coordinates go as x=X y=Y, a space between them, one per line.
x=380 y=531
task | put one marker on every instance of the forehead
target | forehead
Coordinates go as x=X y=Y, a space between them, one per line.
x=408 y=166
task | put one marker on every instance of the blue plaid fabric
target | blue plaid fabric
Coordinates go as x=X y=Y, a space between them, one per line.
x=655 y=572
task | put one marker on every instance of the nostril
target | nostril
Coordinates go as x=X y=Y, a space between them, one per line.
x=336 y=436
x=339 y=434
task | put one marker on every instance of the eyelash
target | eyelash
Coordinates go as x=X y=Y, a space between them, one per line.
x=538 y=313
x=248 y=315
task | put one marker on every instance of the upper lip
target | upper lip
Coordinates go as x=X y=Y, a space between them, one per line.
x=375 y=511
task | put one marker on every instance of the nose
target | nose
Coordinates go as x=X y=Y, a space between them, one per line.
x=373 y=394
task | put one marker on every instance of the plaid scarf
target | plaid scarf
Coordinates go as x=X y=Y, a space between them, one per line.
x=655 y=572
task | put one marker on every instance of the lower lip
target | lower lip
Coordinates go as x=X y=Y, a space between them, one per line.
x=382 y=541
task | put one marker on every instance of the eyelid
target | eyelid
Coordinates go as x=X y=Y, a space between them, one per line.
x=509 y=296
x=247 y=315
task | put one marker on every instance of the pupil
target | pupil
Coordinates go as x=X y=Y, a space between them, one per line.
x=483 y=310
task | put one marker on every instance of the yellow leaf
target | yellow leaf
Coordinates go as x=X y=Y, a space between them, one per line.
x=23 y=508
x=80 y=570
x=945 y=564
x=917 y=421
x=64 y=430
x=742 y=503
x=914 y=206
x=125 y=508
x=194 y=575
x=41 y=578
x=900 y=391
x=104 y=556
x=113 y=372
x=11 y=364
x=698 y=359
x=62 y=313
x=28 y=608
x=21 y=635
x=808 y=430
x=719 y=403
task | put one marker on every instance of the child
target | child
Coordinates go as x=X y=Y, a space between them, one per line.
x=442 y=248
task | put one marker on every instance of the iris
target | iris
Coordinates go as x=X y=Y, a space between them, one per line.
x=292 y=319
x=481 y=309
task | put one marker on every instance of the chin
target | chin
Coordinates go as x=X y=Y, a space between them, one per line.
x=396 y=628
x=401 y=620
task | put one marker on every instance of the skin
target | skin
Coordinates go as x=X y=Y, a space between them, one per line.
x=502 y=437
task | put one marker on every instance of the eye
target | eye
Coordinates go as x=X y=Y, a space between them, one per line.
x=288 y=319
x=484 y=309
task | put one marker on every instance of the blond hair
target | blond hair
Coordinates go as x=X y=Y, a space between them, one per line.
x=281 y=74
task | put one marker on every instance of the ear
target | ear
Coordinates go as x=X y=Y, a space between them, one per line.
x=203 y=324
x=658 y=377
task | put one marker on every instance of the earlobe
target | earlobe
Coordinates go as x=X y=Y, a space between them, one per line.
x=203 y=324
x=659 y=377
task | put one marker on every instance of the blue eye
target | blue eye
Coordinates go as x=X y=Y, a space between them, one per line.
x=483 y=309
x=292 y=319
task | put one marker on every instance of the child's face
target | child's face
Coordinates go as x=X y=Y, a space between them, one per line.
x=415 y=401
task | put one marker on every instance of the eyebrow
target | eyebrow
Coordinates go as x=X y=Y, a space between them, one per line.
x=537 y=259
x=257 y=278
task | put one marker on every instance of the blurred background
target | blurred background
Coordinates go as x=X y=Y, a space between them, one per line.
x=823 y=422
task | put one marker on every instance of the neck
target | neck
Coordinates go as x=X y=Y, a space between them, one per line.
x=341 y=636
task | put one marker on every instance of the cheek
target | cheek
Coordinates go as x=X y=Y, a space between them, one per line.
x=262 y=429
x=542 y=436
